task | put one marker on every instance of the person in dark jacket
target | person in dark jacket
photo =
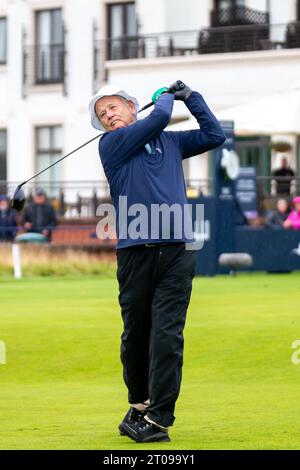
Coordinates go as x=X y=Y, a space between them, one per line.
x=283 y=177
x=8 y=220
x=276 y=218
x=40 y=216
x=143 y=165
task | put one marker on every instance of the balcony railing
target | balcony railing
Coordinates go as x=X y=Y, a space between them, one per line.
x=43 y=65
x=250 y=37
x=238 y=39
x=238 y=15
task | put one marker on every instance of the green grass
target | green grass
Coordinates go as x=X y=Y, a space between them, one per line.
x=62 y=388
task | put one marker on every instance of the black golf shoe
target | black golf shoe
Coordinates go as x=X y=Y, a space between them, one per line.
x=143 y=431
x=132 y=416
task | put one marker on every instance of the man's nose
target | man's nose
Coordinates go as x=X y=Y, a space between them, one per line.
x=109 y=114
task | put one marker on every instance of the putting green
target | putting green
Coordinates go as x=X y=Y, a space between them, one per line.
x=61 y=386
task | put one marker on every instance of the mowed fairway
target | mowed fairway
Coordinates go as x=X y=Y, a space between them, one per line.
x=62 y=387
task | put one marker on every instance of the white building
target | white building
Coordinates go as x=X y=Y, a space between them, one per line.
x=54 y=54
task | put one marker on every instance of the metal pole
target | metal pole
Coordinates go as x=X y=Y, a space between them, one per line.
x=16 y=260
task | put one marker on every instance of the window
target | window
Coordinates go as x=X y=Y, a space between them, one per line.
x=48 y=150
x=228 y=9
x=3 y=40
x=49 y=47
x=223 y=4
x=122 y=31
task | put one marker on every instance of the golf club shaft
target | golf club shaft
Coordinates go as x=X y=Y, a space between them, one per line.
x=75 y=150
x=148 y=105
x=60 y=159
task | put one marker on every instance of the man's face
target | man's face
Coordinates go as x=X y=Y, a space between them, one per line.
x=3 y=205
x=115 y=112
x=282 y=206
x=39 y=199
x=284 y=163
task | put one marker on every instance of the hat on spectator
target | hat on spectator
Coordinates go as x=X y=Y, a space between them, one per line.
x=296 y=200
x=40 y=192
x=3 y=197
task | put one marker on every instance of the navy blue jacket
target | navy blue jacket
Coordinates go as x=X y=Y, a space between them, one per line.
x=41 y=216
x=155 y=178
x=8 y=225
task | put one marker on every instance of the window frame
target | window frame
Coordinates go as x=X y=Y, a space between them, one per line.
x=51 y=152
x=124 y=6
x=43 y=80
x=36 y=15
x=124 y=45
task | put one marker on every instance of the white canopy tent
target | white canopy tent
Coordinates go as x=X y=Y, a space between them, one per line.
x=275 y=114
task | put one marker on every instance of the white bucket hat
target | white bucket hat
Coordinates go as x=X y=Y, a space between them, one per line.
x=108 y=90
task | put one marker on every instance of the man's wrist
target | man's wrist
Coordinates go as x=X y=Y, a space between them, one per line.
x=189 y=94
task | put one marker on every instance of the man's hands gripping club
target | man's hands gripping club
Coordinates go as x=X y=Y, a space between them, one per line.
x=180 y=90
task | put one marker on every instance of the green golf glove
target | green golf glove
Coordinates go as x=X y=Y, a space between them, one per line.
x=158 y=93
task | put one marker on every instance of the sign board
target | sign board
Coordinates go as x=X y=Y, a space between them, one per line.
x=246 y=191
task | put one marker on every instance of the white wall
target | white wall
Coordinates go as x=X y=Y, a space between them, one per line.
x=151 y=15
x=156 y=16
x=258 y=4
x=283 y=11
x=188 y=15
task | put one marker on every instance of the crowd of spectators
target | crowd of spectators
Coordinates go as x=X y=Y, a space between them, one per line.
x=287 y=212
x=286 y=215
x=39 y=217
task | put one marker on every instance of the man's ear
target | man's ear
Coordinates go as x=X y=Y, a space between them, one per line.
x=131 y=107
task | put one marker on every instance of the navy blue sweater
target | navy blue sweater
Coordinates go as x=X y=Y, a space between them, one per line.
x=156 y=178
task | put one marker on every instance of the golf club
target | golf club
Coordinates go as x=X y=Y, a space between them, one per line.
x=17 y=201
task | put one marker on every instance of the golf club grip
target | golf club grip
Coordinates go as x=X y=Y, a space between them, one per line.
x=151 y=103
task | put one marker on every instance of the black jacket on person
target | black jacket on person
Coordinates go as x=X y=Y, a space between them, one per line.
x=8 y=225
x=275 y=219
x=283 y=178
x=41 y=216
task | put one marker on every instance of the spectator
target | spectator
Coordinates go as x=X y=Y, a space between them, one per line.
x=40 y=216
x=293 y=220
x=276 y=219
x=8 y=221
x=283 y=177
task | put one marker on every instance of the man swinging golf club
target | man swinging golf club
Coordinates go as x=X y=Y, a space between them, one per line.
x=143 y=163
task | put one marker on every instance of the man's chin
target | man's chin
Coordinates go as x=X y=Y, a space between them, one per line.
x=118 y=125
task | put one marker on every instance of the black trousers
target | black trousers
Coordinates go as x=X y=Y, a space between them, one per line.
x=155 y=285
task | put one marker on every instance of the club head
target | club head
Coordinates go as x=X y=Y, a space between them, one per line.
x=17 y=201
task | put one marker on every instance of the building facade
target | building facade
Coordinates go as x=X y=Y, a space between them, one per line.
x=54 y=54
